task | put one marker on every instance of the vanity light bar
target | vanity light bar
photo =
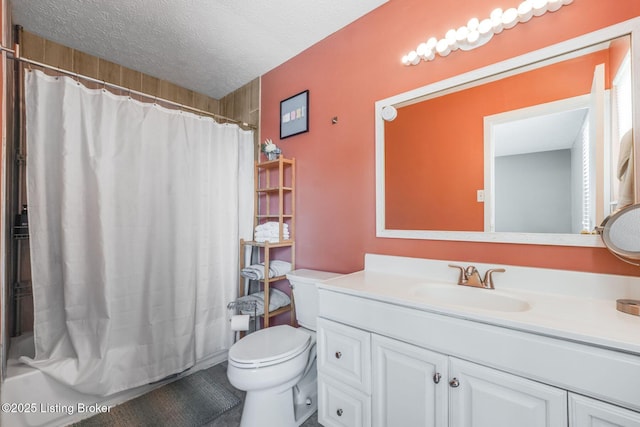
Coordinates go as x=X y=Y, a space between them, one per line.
x=476 y=33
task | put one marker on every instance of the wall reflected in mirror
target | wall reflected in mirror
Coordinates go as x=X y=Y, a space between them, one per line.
x=535 y=151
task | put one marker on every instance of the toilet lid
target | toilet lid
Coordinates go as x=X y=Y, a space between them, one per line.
x=269 y=346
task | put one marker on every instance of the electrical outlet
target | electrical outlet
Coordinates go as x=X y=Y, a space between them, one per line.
x=480 y=195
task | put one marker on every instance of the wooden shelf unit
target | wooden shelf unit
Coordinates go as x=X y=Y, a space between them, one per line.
x=274 y=183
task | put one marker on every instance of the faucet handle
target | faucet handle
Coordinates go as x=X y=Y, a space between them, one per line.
x=488 y=277
x=462 y=277
x=470 y=271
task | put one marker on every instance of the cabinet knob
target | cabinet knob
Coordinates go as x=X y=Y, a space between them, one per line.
x=454 y=383
x=338 y=356
x=339 y=412
x=437 y=377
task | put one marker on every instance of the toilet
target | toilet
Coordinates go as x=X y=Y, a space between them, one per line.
x=276 y=366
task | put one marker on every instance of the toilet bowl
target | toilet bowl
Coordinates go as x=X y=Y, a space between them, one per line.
x=276 y=366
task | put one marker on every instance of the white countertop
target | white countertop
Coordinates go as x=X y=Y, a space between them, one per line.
x=582 y=308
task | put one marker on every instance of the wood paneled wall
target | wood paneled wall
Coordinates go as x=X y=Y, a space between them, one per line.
x=242 y=104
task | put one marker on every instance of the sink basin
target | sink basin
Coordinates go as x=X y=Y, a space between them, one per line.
x=486 y=299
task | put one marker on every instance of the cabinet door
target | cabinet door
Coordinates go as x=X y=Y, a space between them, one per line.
x=586 y=412
x=484 y=397
x=409 y=385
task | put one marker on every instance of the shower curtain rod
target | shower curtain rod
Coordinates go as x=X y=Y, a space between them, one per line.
x=16 y=57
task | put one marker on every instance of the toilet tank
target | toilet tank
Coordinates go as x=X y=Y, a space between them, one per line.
x=305 y=294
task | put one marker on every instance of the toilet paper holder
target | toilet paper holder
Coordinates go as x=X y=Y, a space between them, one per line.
x=243 y=307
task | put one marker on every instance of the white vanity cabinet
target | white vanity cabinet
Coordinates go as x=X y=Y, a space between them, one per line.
x=413 y=386
x=385 y=363
x=485 y=397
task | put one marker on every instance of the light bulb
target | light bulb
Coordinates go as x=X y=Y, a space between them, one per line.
x=473 y=24
x=473 y=37
x=462 y=33
x=443 y=47
x=451 y=37
x=432 y=42
x=431 y=54
x=485 y=26
x=525 y=11
x=496 y=20
x=496 y=14
x=452 y=40
x=540 y=7
x=405 y=60
x=413 y=57
x=510 y=17
x=554 y=5
x=422 y=49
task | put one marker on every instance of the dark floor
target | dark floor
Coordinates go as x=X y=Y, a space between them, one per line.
x=231 y=418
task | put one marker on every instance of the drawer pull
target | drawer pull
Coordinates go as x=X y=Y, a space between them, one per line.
x=338 y=355
x=454 y=383
x=339 y=412
x=436 y=377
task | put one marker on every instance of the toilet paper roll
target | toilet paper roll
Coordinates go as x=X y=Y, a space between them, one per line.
x=240 y=322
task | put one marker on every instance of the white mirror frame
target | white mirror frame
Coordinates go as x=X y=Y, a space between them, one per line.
x=630 y=27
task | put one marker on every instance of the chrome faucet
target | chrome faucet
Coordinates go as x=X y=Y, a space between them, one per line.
x=470 y=276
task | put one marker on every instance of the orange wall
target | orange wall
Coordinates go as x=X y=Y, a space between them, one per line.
x=351 y=69
x=434 y=150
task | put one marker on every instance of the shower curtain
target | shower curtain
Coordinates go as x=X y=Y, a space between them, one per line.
x=135 y=215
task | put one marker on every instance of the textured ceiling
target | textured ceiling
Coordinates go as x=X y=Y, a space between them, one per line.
x=210 y=46
x=555 y=131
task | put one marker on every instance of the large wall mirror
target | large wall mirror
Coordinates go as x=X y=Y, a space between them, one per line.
x=528 y=150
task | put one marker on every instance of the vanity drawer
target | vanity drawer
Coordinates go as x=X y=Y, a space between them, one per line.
x=345 y=354
x=340 y=405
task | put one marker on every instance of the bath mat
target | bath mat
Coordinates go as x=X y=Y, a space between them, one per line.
x=192 y=401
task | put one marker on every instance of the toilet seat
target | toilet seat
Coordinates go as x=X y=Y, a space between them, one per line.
x=268 y=347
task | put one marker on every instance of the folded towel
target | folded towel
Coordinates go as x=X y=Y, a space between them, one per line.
x=279 y=268
x=271 y=225
x=256 y=271
x=270 y=232
x=277 y=299
x=274 y=233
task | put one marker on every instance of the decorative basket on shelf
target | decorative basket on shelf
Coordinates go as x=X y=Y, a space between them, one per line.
x=270 y=150
x=273 y=155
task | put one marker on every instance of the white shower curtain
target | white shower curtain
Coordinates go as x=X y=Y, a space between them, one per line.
x=135 y=212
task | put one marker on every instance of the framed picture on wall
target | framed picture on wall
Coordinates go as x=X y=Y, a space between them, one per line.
x=294 y=115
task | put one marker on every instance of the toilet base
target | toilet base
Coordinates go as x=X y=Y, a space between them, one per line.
x=268 y=409
x=305 y=395
x=290 y=407
x=303 y=410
